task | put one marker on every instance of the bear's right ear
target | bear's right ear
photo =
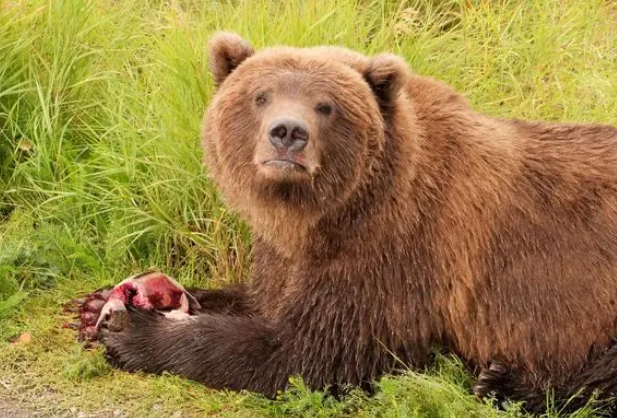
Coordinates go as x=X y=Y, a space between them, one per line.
x=387 y=75
x=227 y=50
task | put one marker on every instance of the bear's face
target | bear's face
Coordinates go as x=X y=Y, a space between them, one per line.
x=295 y=128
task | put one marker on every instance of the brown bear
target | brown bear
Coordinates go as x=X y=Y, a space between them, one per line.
x=389 y=217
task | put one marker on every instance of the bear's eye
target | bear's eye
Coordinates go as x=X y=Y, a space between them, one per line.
x=261 y=99
x=324 y=108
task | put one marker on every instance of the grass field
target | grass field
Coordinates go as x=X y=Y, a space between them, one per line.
x=100 y=173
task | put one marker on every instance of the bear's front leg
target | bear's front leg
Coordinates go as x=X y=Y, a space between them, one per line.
x=231 y=300
x=220 y=351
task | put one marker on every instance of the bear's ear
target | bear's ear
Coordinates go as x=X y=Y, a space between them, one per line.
x=387 y=75
x=227 y=50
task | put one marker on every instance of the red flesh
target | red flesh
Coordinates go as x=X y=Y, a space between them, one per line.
x=151 y=291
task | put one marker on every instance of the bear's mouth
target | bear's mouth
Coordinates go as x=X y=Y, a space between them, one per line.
x=285 y=164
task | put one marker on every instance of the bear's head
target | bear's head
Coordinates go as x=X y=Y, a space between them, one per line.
x=291 y=133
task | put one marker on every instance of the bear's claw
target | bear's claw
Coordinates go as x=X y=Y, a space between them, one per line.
x=490 y=380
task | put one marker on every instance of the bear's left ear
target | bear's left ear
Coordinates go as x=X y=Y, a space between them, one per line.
x=387 y=75
x=227 y=50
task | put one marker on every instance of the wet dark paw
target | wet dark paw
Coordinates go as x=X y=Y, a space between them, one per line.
x=117 y=320
x=114 y=333
x=491 y=380
x=126 y=335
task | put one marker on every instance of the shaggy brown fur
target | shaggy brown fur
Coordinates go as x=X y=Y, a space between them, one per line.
x=408 y=220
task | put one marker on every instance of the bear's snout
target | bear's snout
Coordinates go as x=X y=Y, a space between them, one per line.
x=288 y=134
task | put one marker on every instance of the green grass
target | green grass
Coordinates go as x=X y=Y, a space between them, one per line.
x=101 y=176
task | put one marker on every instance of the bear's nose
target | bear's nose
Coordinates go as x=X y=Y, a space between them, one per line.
x=288 y=134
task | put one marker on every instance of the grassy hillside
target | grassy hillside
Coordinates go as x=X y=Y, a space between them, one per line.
x=100 y=172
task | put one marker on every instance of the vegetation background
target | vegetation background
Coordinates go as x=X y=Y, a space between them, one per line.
x=101 y=176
